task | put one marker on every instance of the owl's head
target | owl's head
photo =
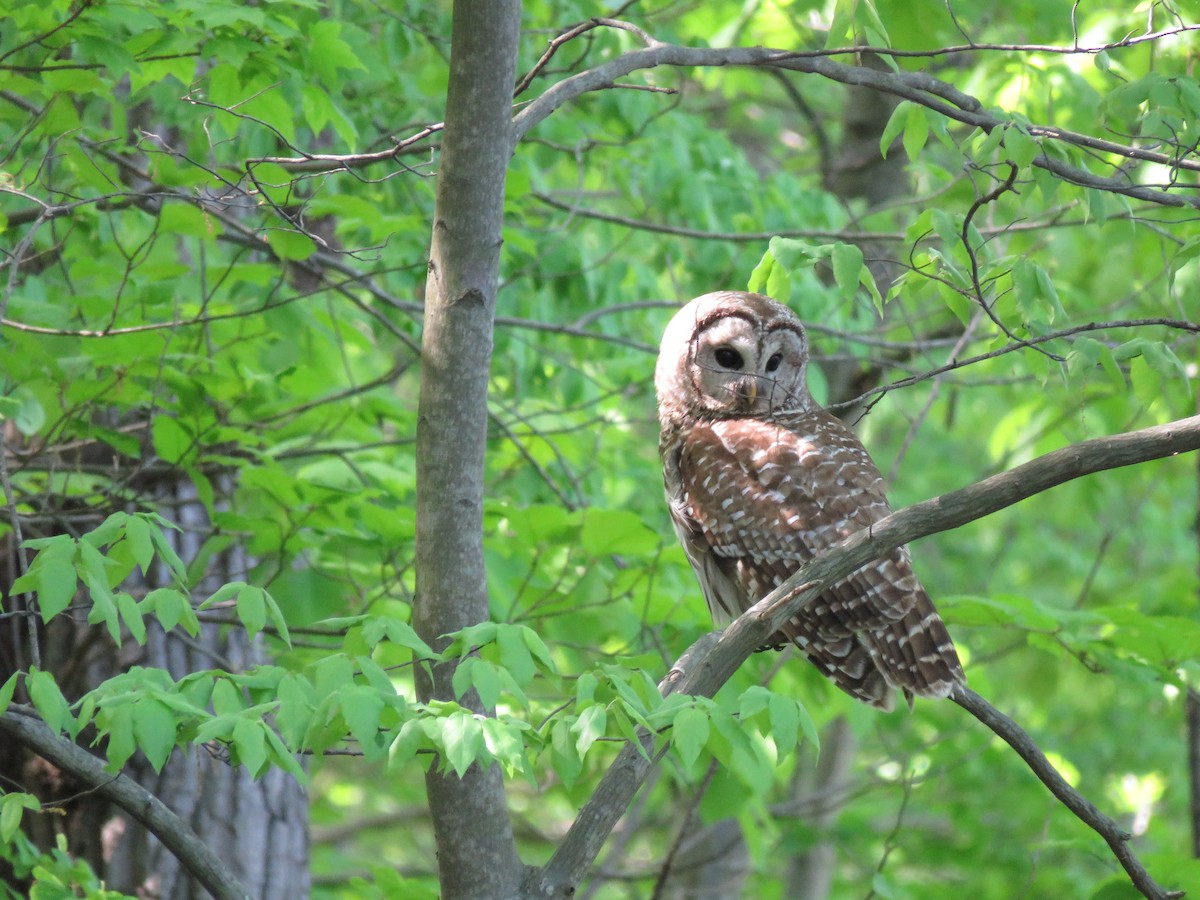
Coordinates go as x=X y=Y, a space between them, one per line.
x=732 y=354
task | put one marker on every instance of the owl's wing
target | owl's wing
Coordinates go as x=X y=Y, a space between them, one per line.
x=757 y=500
x=725 y=598
x=768 y=499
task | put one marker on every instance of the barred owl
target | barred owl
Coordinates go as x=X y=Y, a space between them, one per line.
x=760 y=479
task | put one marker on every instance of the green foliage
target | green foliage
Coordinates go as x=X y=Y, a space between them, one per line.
x=52 y=875
x=194 y=301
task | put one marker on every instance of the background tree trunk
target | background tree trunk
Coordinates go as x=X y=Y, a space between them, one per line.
x=258 y=828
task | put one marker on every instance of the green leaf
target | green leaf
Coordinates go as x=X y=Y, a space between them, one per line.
x=330 y=54
x=779 y=283
x=462 y=740
x=564 y=756
x=48 y=700
x=252 y=608
x=689 y=734
x=12 y=808
x=514 y=653
x=1022 y=147
x=607 y=531
x=361 y=706
x=171 y=607
x=585 y=688
x=841 y=29
x=132 y=617
x=332 y=674
x=761 y=273
x=1116 y=888
x=895 y=124
x=480 y=675
x=25 y=411
x=52 y=576
x=283 y=757
x=882 y=886
x=185 y=219
x=167 y=554
x=785 y=721
x=916 y=131
x=410 y=739
x=503 y=739
x=222 y=594
x=7 y=690
x=291 y=245
x=402 y=633
x=250 y=743
x=137 y=532
x=154 y=730
x=117 y=723
x=538 y=648
x=847 y=269
x=753 y=701
x=226 y=698
x=589 y=727
x=296 y=708
x=172 y=441
x=277 y=618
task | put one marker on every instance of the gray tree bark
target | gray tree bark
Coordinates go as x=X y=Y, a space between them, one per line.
x=477 y=855
x=258 y=828
x=257 y=831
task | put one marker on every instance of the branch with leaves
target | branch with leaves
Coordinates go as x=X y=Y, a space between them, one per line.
x=709 y=663
x=919 y=88
x=25 y=727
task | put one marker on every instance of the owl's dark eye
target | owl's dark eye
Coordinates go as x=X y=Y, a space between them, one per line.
x=728 y=358
x=774 y=361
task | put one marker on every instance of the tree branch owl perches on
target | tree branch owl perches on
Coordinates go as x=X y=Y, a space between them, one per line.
x=760 y=479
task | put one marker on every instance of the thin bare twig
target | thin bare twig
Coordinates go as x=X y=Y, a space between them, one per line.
x=1083 y=809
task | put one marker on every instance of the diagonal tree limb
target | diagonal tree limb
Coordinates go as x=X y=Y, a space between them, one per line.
x=710 y=662
x=1083 y=809
x=917 y=87
x=139 y=803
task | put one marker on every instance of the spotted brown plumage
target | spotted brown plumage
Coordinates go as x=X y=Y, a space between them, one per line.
x=760 y=479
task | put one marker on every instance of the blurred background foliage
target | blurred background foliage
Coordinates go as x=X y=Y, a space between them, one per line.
x=193 y=296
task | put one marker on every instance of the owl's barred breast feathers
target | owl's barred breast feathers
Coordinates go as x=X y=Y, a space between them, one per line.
x=760 y=480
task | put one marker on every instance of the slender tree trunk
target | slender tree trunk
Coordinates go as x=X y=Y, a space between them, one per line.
x=476 y=853
x=818 y=796
x=1192 y=705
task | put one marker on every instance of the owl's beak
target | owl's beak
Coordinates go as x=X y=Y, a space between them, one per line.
x=746 y=392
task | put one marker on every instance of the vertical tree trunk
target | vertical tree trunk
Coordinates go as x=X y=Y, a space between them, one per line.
x=819 y=794
x=476 y=853
x=1192 y=705
x=259 y=828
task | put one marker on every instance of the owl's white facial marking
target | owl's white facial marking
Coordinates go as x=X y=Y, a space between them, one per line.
x=745 y=367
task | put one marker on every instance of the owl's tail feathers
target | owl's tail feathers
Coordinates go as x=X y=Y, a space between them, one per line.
x=916 y=654
x=849 y=664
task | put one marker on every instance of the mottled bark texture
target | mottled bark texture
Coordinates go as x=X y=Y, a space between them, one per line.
x=257 y=829
x=477 y=856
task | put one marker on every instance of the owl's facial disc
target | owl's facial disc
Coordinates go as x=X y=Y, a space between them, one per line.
x=726 y=357
x=743 y=368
